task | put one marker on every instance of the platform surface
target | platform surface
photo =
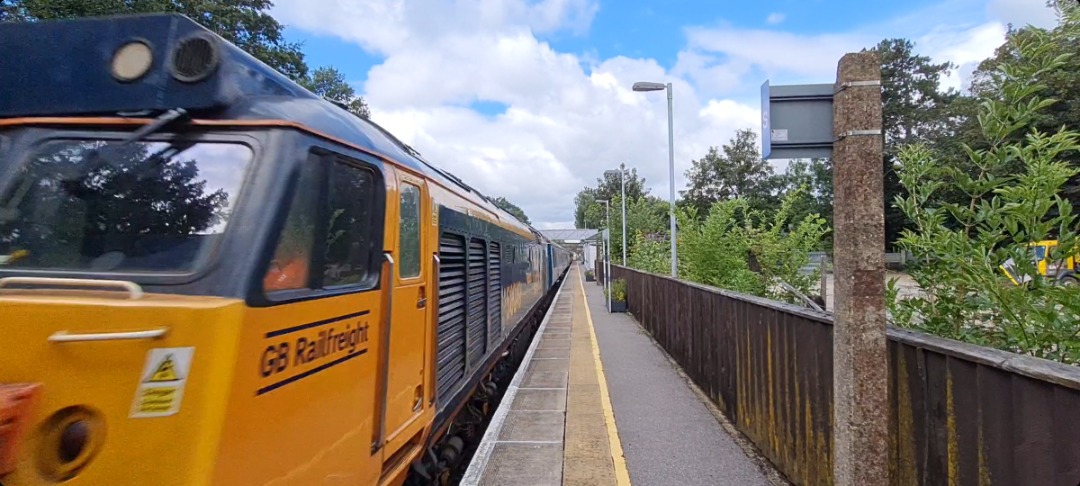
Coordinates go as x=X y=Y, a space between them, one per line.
x=596 y=402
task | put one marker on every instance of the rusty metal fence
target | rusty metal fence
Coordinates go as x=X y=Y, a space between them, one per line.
x=959 y=414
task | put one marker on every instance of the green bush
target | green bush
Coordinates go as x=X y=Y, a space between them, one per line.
x=1011 y=196
x=717 y=250
x=618 y=290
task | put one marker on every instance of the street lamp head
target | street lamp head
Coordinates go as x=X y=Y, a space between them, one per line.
x=648 y=86
x=612 y=172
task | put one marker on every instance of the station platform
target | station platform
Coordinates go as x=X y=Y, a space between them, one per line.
x=597 y=402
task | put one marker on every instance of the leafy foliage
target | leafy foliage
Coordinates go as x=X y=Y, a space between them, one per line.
x=589 y=213
x=618 y=290
x=721 y=250
x=739 y=172
x=651 y=255
x=330 y=84
x=648 y=215
x=815 y=176
x=1013 y=185
x=913 y=108
x=511 y=208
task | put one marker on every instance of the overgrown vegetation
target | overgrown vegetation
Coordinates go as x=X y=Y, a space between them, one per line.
x=721 y=250
x=972 y=214
x=971 y=178
x=618 y=290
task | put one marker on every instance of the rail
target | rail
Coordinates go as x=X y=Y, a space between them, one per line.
x=958 y=413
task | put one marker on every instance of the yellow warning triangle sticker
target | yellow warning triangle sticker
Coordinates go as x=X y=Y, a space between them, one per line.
x=166 y=371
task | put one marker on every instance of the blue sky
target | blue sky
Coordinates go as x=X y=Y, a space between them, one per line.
x=530 y=99
x=641 y=29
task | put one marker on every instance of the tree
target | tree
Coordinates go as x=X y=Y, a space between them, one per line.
x=913 y=108
x=1062 y=85
x=1013 y=190
x=717 y=250
x=511 y=208
x=583 y=206
x=330 y=84
x=646 y=216
x=815 y=176
x=588 y=213
x=739 y=172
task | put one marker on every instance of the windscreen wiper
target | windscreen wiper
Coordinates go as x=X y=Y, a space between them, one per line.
x=160 y=122
x=94 y=158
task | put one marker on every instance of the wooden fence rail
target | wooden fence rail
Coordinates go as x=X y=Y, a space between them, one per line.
x=959 y=414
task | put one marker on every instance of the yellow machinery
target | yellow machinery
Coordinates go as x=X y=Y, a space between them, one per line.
x=1063 y=271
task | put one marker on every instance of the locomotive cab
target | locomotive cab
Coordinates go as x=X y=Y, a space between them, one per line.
x=192 y=290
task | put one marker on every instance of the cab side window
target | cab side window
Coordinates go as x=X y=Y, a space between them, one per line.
x=290 y=266
x=409 y=231
x=332 y=234
x=350 y=241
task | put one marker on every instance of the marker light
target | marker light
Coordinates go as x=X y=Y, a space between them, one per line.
x=131 y=61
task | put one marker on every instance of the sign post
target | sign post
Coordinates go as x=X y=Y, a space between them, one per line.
x=843 y=121
x=860 y=353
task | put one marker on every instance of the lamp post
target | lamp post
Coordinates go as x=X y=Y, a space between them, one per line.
x=622 y=179
x=607 y=250
x=649 y=86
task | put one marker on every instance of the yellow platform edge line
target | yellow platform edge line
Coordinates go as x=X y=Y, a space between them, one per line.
x=622 y=475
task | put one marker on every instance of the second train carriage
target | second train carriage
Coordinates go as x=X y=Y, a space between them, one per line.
x=208 y=275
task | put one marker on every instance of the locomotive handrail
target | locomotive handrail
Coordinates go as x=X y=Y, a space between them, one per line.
x=133 y=289
x=384 y=355
x=434 y=309
x=64 y=337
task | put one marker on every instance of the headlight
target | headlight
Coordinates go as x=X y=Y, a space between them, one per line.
x=131 y=61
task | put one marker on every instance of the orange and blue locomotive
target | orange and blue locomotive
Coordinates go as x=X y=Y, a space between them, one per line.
x=209 y=275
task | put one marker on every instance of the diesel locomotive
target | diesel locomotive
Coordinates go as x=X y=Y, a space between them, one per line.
x=211 y=276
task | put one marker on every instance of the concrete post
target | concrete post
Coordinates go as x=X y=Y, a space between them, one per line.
x=860 y=366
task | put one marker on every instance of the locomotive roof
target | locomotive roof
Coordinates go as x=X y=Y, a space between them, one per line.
x=189 y=67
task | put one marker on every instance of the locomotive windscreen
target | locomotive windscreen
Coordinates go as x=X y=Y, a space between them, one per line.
x=101 y=206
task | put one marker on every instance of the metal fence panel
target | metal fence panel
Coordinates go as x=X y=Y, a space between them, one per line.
x=959 y=414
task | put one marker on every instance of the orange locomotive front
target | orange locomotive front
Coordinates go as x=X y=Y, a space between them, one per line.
x=208 y=275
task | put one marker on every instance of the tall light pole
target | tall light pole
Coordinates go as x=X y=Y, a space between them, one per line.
x=649 y=86
x=622 y=178
x=607 y=250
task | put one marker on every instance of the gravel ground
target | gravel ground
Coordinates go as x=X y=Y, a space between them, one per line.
x=907 y=286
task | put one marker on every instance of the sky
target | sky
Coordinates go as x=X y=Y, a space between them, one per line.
x=531 y=99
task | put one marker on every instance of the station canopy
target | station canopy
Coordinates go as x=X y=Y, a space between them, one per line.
x=572 y=236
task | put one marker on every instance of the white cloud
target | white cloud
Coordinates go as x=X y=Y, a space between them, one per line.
x=724 y=60
x=567 y=119
x=965 y=48
x=570 y=116
x=774 y=18
x=1022 y=12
